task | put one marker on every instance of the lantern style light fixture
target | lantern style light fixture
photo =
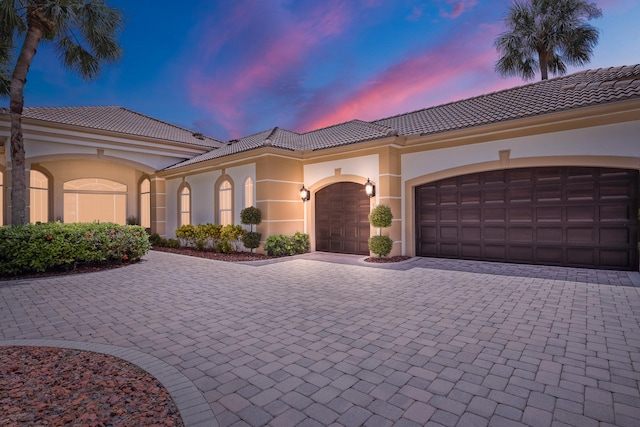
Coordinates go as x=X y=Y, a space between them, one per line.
x=370 y=188
x=305 y=194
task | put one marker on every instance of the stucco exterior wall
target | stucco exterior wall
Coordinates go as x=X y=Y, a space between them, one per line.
x=613 y=145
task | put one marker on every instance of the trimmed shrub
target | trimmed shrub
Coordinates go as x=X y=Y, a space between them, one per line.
x=251 y=240
x=280 y=245
x=381 y=216
x=251 y=216
x=380 y=245
x=42 y=247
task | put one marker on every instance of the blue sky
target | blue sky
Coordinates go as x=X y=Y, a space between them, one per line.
x=233 y=68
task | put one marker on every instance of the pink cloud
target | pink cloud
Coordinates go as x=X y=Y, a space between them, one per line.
x=276 y=51
x=433 y=77
x=459 y=7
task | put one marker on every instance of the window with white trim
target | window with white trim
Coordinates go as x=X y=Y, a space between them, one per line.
x=225 y=201
x=38 y=197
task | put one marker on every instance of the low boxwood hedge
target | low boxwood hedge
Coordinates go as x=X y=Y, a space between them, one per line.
x=41 y=247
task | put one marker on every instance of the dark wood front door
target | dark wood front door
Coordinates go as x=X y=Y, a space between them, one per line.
x=568 y=216
x=342 y=223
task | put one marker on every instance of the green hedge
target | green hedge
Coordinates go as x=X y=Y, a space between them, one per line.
x=282 y=245
x=221 y=238
x=41 y=247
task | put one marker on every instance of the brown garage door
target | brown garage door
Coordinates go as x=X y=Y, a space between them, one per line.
x=342 y=223
x=569 y=216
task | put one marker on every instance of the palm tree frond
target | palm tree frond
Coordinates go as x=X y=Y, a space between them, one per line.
x=10 y=20
x=77 y=58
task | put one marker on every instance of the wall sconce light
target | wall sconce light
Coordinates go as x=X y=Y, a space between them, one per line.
x=305 y=194
x=370 y=188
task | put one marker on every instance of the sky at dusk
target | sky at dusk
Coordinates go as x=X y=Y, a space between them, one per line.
x=231 y=68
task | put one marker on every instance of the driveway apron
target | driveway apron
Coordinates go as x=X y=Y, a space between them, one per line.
x=314 y=343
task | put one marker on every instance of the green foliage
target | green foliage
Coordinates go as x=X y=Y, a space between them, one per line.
x=251 y=240
x=380 y=245
x=37 y=248
x=211 y=236
x=546 y=36
x=157 y=241
x=280 y=245
x=301 y=243
x=251 y=216
x=381 y=216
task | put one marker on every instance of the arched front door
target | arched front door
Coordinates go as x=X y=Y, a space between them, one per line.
x=342 y=219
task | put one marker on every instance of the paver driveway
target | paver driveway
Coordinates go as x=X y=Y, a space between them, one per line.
x=307 y=343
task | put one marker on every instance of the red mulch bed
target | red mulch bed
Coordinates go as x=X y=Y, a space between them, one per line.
x=42 y=386
x=234 y=256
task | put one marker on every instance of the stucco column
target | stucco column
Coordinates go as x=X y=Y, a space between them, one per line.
x=159 y=206
x=389 y=192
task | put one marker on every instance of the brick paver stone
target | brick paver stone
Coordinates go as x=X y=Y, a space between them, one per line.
x=307 y=342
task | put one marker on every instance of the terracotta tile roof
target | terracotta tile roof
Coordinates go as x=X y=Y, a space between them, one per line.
x=577 y=90
x=119 y=120
x=274 y=137
x=343 y=134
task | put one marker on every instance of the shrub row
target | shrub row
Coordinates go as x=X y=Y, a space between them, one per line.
x=36 y=248
x=282 y=245
x=224 y=239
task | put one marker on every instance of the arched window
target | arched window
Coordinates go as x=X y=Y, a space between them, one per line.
x=248 y=192
x=95 y=199
x=185 y=205
x=225 y=200
x=38 y=197
x=145 y=203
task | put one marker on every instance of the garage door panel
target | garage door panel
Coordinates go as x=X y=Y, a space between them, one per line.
x=495 y=252
x=521 y=214
x=610 y=213
x=615 y=235
x=449 y=249
x=494 y=196
x=495 y=214
x=614 y=258
x=472 y=233
x=549 y=235
x=549 y=254
x=572 y=216
x=580 y=192
x=471 y=251
x=470 y=215
x=581 y=235
x=521 y=234
x=549 y=214
x=449 y=215
x=449 y=233
x=580 y=213
x=549 y=193
x=494 y=234
x=520 y=253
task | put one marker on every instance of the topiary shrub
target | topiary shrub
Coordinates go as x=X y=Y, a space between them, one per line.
x=381 y=216
x=251 y=216
x=380 y=245
x=42 y=247
x=251 y=240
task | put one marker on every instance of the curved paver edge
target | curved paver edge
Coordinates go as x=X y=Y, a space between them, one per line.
x=193 y=407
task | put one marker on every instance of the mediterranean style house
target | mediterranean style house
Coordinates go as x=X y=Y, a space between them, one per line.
x=545 y=173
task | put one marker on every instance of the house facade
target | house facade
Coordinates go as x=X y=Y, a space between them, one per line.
x=545 y=173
